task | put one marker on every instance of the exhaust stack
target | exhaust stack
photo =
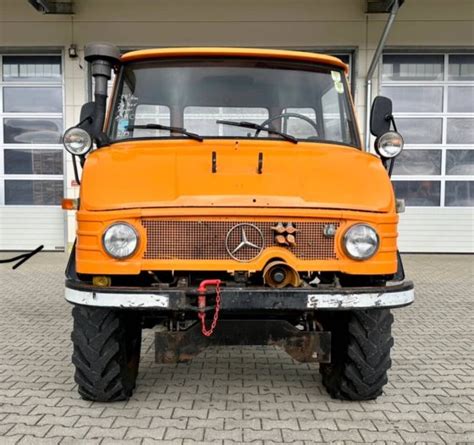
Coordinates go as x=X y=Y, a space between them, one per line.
x=102 y=57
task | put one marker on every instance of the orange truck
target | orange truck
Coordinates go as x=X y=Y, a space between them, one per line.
x=226 y=199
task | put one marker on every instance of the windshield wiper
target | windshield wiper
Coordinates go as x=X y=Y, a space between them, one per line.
x=255 y=126
x=194 y=136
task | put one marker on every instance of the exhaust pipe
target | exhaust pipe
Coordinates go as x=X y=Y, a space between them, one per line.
x=278 y=274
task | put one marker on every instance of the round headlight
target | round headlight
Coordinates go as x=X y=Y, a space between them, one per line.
x=77 y=141
x=120 y=240
x=389 y=144
x=361 y=242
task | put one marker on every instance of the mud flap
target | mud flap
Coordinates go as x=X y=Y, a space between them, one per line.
x=303 y=346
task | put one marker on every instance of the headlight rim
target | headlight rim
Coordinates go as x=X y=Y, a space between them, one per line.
x=377 y=144
x=344 y=238
x=89 y=147
x=137 y=235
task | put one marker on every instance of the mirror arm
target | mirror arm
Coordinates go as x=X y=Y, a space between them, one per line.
x=76 y=171
x=88 y=119
x=392 y=162
x=390 y=168
x=391 y=119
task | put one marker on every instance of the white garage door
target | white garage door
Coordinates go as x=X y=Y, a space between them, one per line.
x=31 y=159
x=433 y=99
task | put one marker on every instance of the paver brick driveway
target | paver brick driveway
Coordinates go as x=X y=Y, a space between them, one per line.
x=235 y=395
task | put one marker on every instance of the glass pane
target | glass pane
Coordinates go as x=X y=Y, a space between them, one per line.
x=460 y=162
x=415 y=99
x=32 y=68
x=418 y=193
x=36 y=162
x=461 y=99
x=202 y=120
x=460 y=131
x=147 y=114
x=20 y=192
x=32 y=100
x=460 y=193
x=420 y=130
x=230 y=89
x=32 y=131
x=413 y=67
x=418 y=162
x=334 y=129
x=461 y=67
x=299 y=127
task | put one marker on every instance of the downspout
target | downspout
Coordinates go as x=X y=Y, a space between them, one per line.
x=373 y=66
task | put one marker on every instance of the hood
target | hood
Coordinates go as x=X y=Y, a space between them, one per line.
x=246 y=173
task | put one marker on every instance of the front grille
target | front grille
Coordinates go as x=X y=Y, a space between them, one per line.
x=206 y=239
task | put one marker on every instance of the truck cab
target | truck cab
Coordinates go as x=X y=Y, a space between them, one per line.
x=226 y=198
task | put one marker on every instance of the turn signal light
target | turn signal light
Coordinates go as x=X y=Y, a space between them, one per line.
x=69 y=204
x=101 y=281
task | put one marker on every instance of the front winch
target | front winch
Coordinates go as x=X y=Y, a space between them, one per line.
x=202 y=305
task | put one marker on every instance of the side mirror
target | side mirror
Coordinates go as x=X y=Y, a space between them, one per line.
x=380 y=116
x=87 y=116
x=87 y=111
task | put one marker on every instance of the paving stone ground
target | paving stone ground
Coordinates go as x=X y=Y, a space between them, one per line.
x=239 y=395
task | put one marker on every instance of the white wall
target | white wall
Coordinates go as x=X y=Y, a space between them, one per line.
x=256 y=23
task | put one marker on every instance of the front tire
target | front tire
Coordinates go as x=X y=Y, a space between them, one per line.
x=361 y=344
x=106 y=353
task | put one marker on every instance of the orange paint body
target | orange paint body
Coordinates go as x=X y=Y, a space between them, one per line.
x=172 y=179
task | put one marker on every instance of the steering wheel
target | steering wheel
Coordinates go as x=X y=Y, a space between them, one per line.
x=286 y=116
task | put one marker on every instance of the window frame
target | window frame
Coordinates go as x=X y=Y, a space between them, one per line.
x=30 y=115
x=347 y=100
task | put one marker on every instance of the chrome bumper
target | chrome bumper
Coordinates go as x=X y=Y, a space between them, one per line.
x=245 y=299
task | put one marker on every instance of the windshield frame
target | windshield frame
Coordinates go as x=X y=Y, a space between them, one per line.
x=272 y=62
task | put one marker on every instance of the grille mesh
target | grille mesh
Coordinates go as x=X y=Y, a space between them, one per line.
x=206 y=240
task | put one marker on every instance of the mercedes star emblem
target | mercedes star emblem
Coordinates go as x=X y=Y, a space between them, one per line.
x=244 y=242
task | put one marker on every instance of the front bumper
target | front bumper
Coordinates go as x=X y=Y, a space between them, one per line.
x=244 y=299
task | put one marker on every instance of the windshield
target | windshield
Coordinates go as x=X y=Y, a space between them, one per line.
x=222 y=98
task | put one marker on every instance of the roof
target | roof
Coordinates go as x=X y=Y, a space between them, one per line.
x=234 y=52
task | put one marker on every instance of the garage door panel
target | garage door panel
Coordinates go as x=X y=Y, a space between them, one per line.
x=432 y=96
x=446 y=230
x=31 y=158
x=21 y=231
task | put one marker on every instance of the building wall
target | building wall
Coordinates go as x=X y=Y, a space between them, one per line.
x=302 y=24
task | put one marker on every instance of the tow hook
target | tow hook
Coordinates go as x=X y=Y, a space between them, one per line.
x=202 y=305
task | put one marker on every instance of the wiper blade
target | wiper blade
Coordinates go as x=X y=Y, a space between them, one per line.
x=255 y=126
x=166 y=127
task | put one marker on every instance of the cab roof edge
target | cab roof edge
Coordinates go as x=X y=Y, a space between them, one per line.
x=234 y=52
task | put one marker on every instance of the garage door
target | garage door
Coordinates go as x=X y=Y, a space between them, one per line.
x=433 y=98
x=31 y=159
